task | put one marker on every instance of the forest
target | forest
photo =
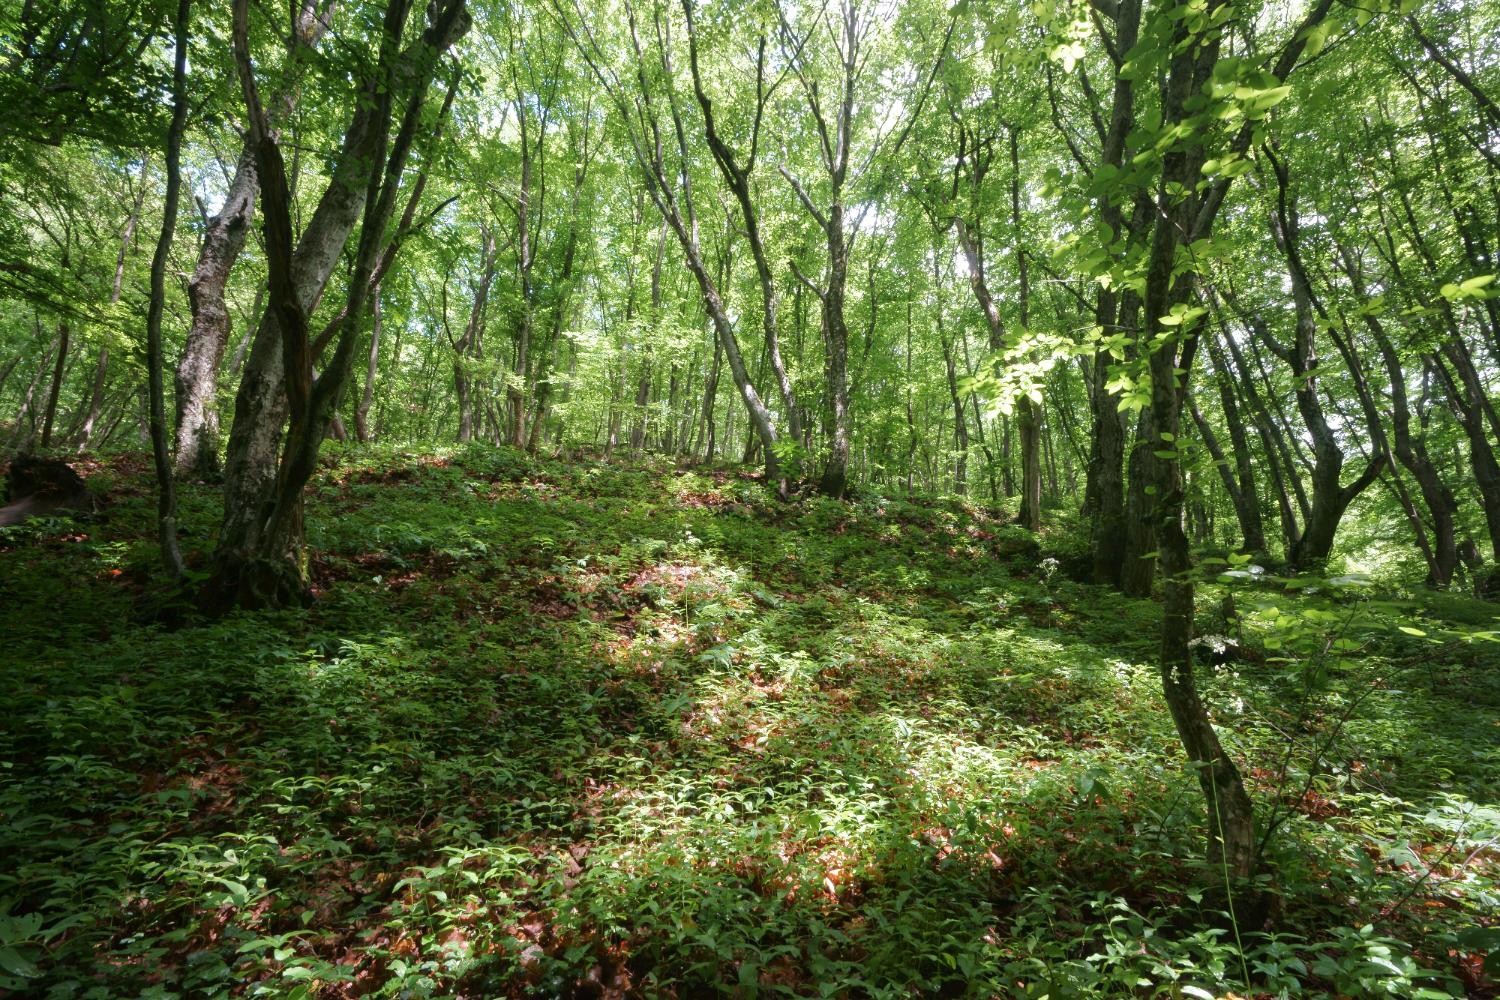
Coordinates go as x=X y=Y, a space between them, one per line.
x=685 y=498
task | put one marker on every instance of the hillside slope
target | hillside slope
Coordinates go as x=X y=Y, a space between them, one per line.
x=628 y=731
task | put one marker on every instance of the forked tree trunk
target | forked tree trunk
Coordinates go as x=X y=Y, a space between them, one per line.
x=737 y=171
x=1330 y=498
x=259 y=559
x=197 y=375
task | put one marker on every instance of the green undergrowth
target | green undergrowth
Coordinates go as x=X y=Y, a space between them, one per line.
x=623 y=730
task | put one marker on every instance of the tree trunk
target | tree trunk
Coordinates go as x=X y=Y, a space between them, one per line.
x=1138 y=565
x=372 y=366
x=49 y=413
x=1278 y=461
x=1466 y=394
x=1108 y=477
x=1028 y=410
x=960 y=424
x=101 y=365
x=1245 y=496
x=1114 y=314
x=26 y=415
x=835 y=481
x=736 y=175
x=166 y=504
x=197 y=377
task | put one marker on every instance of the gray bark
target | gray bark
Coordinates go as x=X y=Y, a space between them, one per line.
x=197 y=376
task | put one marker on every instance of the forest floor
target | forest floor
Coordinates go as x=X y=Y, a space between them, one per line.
x=622 y=730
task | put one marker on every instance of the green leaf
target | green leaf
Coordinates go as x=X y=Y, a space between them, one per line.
x=16 y=964
x=1315 y=38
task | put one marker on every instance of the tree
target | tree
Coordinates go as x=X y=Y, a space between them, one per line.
x=259 y=556
x=197 y=376
x=166 y=511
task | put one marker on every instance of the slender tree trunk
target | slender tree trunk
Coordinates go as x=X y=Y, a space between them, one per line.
x=1138 y=569
x=101 y=364
x=642 y=402
x=1182 y=219
x=710 y=392
x=470 y=346
x=372 y=366
x=166 y=505
x=645 y=377
x=1114 y=314
x=8 y=369
x=526 y=257
x=1244 y=495
x=1246 y=507
x=979 y=431
x=1028 y=410
x=736 y=174
x=960 y=424
x=1278 y=461
x=911 y=413
x=25 y=430
x=1465 y=394
x=835 y=480
x=1441 y=550
x=49 y=413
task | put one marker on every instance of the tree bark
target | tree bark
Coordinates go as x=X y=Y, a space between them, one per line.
x=1104 y=488
x=1138 y=564
x=1243 y=493
x=1028 y=410
x=197 y=376
x=166 y=504
x=960 y=424
x=362 y=430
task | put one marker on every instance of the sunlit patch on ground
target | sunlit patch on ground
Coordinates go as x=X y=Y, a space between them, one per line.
x=614 y=731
